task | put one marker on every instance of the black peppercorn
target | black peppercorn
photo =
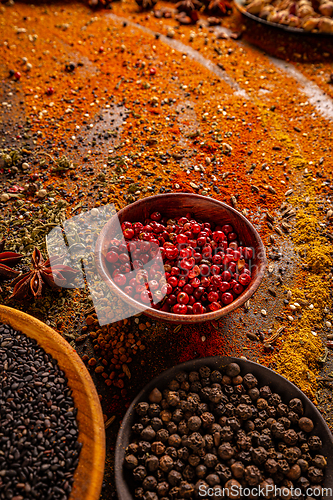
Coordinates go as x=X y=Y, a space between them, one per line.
x=196 y=386
x=237 y=470
x=232 y=370
x=294 y=473
x=131 y=461
x=259 y=424
x=296 y=405
x=181 y=377
x=173 y=385
x=226 y=380
x=278 y=430
x=148 y=433
x=189 y=473
x=204 y=371
x=162 y=489
x=201 y=471
x=315 y=443
x=172 y=427
x=137 y=428
x=174 y=477
x=226 y=433
x=205 y=382
x=234 y=424
x=207 y=419
x=172 y=398
x=226 y=451
x=249 y=426
x=229 y=410
x=166 y=463
x=152 y=463
x=213 y=479
x=202 y=408
x=244 y=412
x=150 y=495
x=144 y=447
x=194 y=460
x=164 y=404
x=319 y=461
x=145 y=421
x=304 y=465
x=245 y=457
x=193 y=376
x=245 y=399
x=154 y=410
x=315 y=475
x=265 y=392
x=283 y=466
x=215 y=395
x=139 y=473
x=162 y=435
x=139 y=492
x=250 y=381
x=239 y=447
x=185 y=386
x=186 y=490
x=158 y=448
x=141 y=409
x=290 y=437
x=271 y=411
x=285 y=422
x=263 y=415
x=252 y=475
x=183 y=428
x=253 y=393
x=132 y=448
x=174 y=440
x=179 y=465
x=172 y=452
x=271 y=466
x=259 y=455
x=306 y=424
x=183 y=453
x=216 y=377
x=223 y=472
x=165 y=416
x=303 y=483
x=262 y=404
x=196 y=441
x=184 y=442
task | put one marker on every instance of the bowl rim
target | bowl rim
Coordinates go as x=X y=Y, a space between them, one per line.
x=268 y=376
x=96 y=453
x=183 y=318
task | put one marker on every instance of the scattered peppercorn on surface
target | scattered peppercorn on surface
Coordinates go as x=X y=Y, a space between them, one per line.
x=111 y=106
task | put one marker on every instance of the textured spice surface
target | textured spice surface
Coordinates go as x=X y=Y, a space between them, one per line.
x=115 y=105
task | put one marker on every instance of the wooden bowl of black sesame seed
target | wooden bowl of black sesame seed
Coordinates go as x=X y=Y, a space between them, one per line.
x=51 y=415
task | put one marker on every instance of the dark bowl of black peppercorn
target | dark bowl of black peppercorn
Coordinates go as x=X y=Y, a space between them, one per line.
x=303 y=457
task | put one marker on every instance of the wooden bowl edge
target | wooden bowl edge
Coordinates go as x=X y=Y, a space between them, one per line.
x=19 y=320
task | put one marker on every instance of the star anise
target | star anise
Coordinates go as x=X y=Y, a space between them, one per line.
x=42 y=273
x=188 y=6
x=8 y=259
x=218 y=7
x=146 y=4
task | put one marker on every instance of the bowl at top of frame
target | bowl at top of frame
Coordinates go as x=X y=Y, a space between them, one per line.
x=88 y=476
x=176 y=205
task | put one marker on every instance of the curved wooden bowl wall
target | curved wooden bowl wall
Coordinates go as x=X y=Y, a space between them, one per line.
x=176 y=205
x=88 y=476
